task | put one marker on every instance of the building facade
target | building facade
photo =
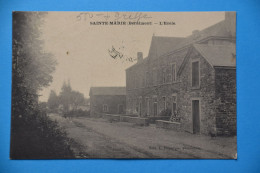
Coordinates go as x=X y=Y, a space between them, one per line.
x=192 y=80
x=110 y=100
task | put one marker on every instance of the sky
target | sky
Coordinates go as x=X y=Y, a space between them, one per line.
x=82 y=50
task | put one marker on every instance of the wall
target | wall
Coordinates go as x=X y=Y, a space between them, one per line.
x=226 y=97
x=140 y=84
x=205 y=93
x=97 y=102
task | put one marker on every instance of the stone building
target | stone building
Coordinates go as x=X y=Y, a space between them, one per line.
x=110 y=100
x=192 y=80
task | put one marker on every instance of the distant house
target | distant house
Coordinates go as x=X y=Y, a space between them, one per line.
x=110 y=100
x=192 y=78
x=85 y=106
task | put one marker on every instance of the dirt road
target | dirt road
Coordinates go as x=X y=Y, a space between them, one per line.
x=97 y=138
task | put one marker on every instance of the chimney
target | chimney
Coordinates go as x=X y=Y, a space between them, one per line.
x=229 y=15
x=139 y=56
x=230 y=20
x=195 y=34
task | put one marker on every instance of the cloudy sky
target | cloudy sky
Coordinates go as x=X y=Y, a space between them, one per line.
x=81 y=49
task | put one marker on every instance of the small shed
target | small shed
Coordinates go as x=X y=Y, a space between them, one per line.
x=110 y=100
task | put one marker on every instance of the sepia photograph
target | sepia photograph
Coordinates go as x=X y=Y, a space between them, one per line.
x=123 y=85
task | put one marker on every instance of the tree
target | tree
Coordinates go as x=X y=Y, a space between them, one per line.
x=65 y=96
x=32 y=67
x=33 y=134
x=68 y=97
x=77 y=99
x=53 y=101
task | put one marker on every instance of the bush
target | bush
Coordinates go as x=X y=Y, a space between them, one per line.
x=166 y=112
x=77 y=113
x=35 y=136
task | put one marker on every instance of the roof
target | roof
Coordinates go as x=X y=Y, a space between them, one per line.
x=159 y=46
x=107 y=91
x=223 y=29
x=218 y=55
x=220 y=29
x=162 y=45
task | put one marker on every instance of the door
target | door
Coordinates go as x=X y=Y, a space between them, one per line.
x=155 y=109
x=140 y=108
x=196 y=116
x=120 y=109
x=174 y=109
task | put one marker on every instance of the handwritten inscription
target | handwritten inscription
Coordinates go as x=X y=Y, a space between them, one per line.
x=116 y=54
x=136 y=16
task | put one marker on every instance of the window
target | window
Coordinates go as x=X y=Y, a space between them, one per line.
x=163 y=77
x=164 y=103
x=174 y=105
x=133 y=105
x=146 y=78
x=155 y=106
x=154 y=77
x=105 y=108
x=195 y=74
x=140 y=106
x=173 y=72
x=143 y=81
x=136 y=105
x=147 y=106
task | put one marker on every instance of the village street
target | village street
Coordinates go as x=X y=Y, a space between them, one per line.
x=98 y=138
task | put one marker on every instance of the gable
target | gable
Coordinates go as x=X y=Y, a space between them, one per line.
x=215 y=55
x=163 y=45
x=218 y=55
x=185 y=60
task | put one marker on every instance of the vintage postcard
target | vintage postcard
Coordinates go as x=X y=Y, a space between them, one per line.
x=135 y=85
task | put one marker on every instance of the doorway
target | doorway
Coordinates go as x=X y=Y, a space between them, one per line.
x=155 y=109
x=140 y=108
x=120 y=109
x=196 y=116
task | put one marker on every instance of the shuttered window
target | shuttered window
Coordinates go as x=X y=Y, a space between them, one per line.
x=195 y=74
x=173 y=72
x=164 y=103
x=105 y=108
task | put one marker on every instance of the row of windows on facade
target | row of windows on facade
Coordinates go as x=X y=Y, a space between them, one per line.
x=167 y=76
x=151 y=104
x=153 y=77
x=120 y=108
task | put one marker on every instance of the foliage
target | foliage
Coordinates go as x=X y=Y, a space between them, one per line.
x=77 y=99
x=38 y=137
x=65 y=96
x=32 y=67
x=68 y=97
x=77 y=113
x=33 y=134
x=53 y=101
x=166 y=112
